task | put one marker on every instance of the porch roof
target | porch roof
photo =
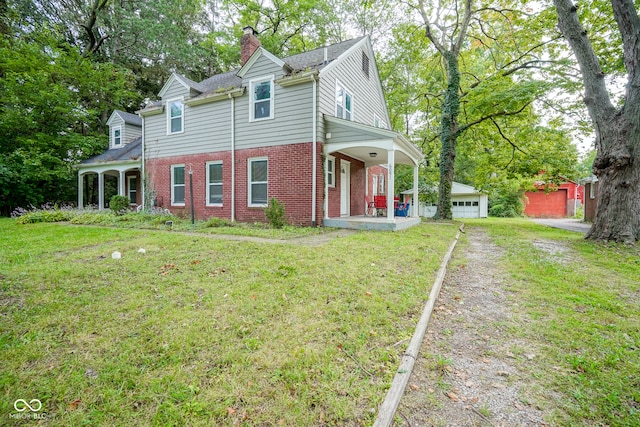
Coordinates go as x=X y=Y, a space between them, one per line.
x=361 y=141
x=130 y=153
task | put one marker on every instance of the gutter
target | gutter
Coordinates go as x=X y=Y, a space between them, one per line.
x=314 y=149
x=233 y=157
x=142 y=176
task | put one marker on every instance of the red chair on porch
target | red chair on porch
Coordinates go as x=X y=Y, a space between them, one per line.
x=380 y=204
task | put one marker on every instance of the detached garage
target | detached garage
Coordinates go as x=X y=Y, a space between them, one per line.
x=466 y=201
x=561 y=202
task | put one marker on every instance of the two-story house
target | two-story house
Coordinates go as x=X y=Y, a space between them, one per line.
x=306 y=129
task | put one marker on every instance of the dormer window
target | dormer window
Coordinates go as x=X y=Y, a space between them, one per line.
x=117 y=137
x=344 y=103
x=175 y=117
x=261 y=105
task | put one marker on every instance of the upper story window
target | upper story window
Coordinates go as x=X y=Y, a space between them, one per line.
x=344 y=102
x=261 y=104
x=331 y=171
x=177 y=185
x=258 y=182
x=175 y=117
x=214 y=183
x=117 y=136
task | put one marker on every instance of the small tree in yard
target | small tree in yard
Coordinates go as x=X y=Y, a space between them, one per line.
x=275 y=213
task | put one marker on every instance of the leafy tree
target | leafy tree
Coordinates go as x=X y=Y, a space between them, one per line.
x=51 y=98
x=617 y=125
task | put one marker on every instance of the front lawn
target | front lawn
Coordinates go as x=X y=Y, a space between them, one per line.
x=202 y=331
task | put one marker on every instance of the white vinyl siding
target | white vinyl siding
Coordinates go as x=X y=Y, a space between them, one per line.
x=261 y=104
x=367 y=92
x=214 y=183
x=117 y=136
x=331 y=171
x=177 y=185
x=258 y=174
x=344 y=102
x=175 y=116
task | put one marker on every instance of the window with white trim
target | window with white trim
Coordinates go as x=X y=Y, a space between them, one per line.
x=592 y=190
x=258 y=174
x=132 y=190
x=381 y=183
x=331 y=171
x=175 y=117
x=344 y=102
x=214 y=183
x=177 y=185
x=117 y=136
x=261 y=103
x=378 y=122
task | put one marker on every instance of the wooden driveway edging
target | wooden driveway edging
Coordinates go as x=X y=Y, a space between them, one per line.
x=390 y=404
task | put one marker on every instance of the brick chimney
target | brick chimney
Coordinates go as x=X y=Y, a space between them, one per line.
x=249 y=43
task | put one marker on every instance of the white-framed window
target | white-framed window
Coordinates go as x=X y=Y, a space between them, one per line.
x=117 y=136
x=177 y=185
x=261 y=92
x=331 y=171
x=214 y=183
x=374 y=187
x=132 y=188
x=381 y=183
x=378 y=122
x=258 y=174
x=592 y=190
x=344 y=102
x=175 y=116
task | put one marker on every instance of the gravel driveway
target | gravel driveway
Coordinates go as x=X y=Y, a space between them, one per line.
x=468 y=373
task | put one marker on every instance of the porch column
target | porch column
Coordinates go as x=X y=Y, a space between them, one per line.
x=80 y=190
x=415 y=202
x=100 y=191
x=121 y=184
x=390 y=185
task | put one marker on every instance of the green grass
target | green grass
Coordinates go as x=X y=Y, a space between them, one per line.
x=201 y=331
x=583 y=311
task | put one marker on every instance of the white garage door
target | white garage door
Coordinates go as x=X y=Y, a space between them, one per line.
x=466 y=209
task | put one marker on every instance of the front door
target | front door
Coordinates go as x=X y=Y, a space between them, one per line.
x=345 y=187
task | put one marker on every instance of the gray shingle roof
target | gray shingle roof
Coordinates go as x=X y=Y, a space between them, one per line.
x=131 y=151
x=311 y=60
x=132 y=119
x=315 y=58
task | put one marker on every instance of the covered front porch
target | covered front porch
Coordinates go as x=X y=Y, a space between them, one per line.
x=355 y=151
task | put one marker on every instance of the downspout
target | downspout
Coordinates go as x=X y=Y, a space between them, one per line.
x=314 y=166
x=233 y=159
x=142 y=176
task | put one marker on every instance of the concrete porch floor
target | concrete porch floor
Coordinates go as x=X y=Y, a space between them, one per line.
x=371 y=223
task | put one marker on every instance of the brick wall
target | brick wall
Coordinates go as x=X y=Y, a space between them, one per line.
x=289 y=181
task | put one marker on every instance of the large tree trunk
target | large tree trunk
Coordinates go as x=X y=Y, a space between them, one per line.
x=448 y=136
x=617 y=163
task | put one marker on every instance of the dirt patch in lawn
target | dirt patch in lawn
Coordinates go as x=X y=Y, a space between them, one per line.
x=470 y=370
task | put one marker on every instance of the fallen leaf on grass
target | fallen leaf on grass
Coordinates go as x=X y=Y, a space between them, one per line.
x=195 y=262
x=414 y=387
x=231 y=411
x=452 y=396
x=368 y=293
x=74 y=405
